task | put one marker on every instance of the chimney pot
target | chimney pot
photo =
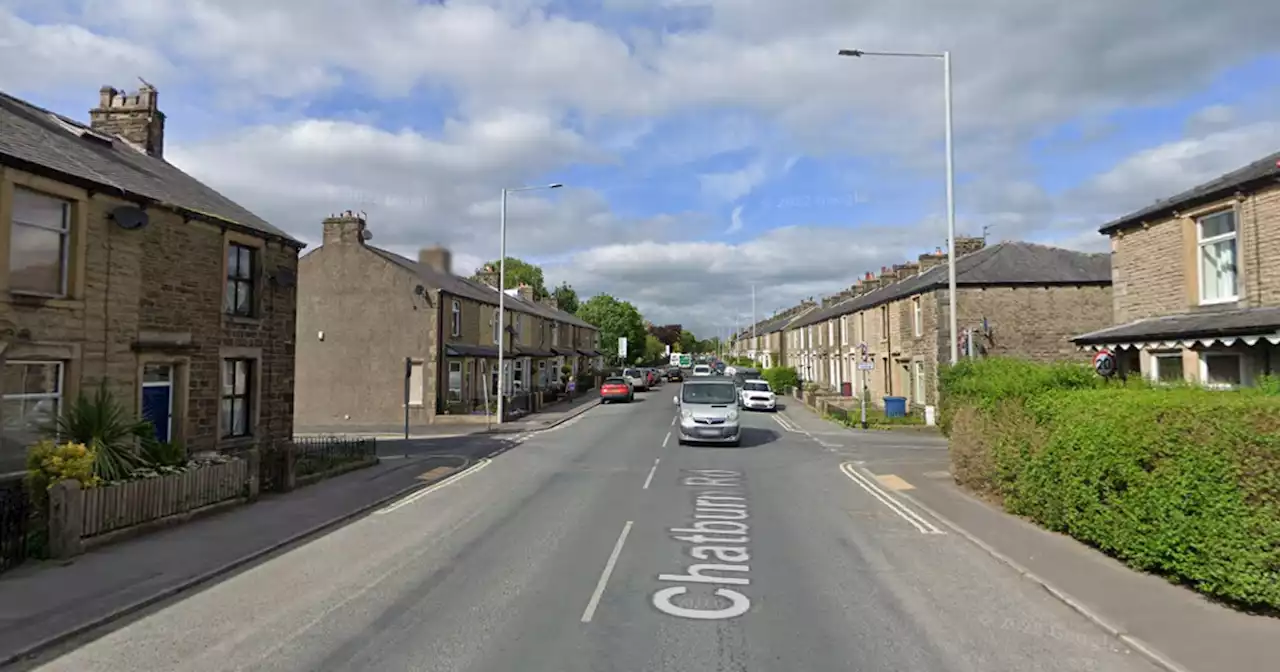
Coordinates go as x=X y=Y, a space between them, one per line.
x=344 y=229
x=135 y=117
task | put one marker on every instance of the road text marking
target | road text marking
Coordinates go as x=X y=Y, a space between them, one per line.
x=652 y=470
x=442 y=484
x=604 y=575
x=916 y=520
x=721 y=534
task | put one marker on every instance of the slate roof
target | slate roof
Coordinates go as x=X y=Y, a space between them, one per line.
x=42 y=142
x=1008 y=264
x=1263 y=169
x=1198 y=324
x=476 y=290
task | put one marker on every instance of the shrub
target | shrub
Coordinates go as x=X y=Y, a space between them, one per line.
x=49 y=463
x=1181 y=481
x=783 y=379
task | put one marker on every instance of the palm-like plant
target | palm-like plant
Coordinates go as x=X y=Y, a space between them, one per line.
x=107 y=428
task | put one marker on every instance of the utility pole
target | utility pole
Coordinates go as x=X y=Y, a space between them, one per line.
x=754 y=342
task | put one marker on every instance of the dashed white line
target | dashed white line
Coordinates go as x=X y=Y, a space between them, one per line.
x=673 y=422
x=916 y=520
x=604 y=575
x=665 y=439
x=652 y=470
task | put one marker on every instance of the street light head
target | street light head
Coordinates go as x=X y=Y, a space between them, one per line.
x=851 y=52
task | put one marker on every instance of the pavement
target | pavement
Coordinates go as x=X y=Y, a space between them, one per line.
x=550 y=415
x=1182 y=628
x=601 y=544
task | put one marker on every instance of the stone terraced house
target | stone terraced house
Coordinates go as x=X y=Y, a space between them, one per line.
x=375 y=327
x=119 y=269
x=1196 y=282
x=1014 y=298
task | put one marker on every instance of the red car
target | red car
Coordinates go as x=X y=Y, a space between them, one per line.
x=616 y=389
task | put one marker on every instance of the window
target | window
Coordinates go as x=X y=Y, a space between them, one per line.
x=862 y=328
x=239 y=299
x=415 y=383
x=39 y=244
x=917 y=316
x=237 y=398
x=497 y=326
x=884 y=323
x=1166 y=367
x=917 y=375
x=1222 y=370
x=455 y=380
x=555 y=334
x=456 y=326
x=1217 y=254
x=518 y=379
x=517 y=324
x=32 y=403
x=831 y=332
x=844 y=330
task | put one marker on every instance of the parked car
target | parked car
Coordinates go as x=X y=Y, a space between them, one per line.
x=757 y=396
x=636 y=378
x=616 y=389
x=708 y=412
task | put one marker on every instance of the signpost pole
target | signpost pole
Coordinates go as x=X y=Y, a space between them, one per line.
x=408 y=375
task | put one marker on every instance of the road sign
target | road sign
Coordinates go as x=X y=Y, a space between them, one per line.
x=622 y=347
x=686 y=360
x=1105 y=363
x=675 y=359
x=866 y=366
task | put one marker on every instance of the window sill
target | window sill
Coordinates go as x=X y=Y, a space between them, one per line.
x=237 y=442
x=243 y=320
x=1219 y=302
x=45 y=301
x=415 y=405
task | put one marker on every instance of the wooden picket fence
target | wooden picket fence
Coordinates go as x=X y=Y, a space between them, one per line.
x=120 y=505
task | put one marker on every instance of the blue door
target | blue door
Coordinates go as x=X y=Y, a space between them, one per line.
x=157 y=398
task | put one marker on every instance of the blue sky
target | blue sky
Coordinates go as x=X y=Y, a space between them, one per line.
x=664 y=119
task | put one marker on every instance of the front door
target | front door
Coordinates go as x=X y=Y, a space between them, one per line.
x=157 y=398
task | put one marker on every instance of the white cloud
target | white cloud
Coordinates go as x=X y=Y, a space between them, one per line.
x=735 y=220
x=50 y=57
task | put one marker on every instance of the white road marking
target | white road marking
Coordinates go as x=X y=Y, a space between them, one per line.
x=786 y=424
x=426 y=491
x=653 y=470
x=673 y=421
x=604 y=575
x=916 y=520
x=665 y=439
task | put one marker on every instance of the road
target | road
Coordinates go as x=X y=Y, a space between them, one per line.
x=574 y=552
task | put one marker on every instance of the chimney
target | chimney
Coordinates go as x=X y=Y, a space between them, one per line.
x=525 y=292
x=551 y=302
x=136 y=117
x=907 y=270
x=437 y=258
x=489 y=276
x=930 y=259
x=888 y=276
x=968 y=245
x=345 y=228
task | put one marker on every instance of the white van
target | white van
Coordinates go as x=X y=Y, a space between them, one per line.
x=701 y=370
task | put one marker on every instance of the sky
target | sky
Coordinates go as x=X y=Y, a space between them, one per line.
x=706 y=146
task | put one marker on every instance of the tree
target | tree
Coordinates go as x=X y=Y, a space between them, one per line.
x=653 y=348
x=615 y=319
x=669 y=334
x=521 y=272
x=688 y=342
x=566 y=298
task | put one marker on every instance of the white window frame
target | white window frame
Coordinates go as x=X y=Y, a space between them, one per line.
x=1204 y=370
x=496 y=323
x=250 y=397
x=555 y=333
x=417 y=373
x=1202 y=243
x=917 y=316
x=457 y=318
x=844 y=330
x=1155 y=365
x=64 y=232
x=58 y=397
x=831 y=332
x=518 y=382
x=455 y=393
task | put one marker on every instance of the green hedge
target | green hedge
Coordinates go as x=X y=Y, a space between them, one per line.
x=1182 y=482
x=782 y=379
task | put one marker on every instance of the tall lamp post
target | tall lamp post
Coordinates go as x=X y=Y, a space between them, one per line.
x=502 y=294
x=945 y=57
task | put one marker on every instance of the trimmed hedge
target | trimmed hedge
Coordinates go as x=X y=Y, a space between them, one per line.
x=1183 y=482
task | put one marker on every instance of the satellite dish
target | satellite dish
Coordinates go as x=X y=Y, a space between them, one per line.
x=129 y=217
x=285 y=277
x=366 y=234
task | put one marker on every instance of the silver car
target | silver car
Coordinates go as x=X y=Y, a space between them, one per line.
x=708 y=412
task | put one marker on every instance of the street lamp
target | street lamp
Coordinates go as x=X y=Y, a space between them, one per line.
x=945 y=57
x=502 y=292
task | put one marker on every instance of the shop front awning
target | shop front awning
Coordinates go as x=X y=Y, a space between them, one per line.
x=467 y=350
x=1207 y=328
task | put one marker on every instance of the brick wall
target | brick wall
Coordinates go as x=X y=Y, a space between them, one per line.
x=154 y=295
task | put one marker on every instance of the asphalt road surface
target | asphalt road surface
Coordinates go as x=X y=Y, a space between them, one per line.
x=603 y=545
